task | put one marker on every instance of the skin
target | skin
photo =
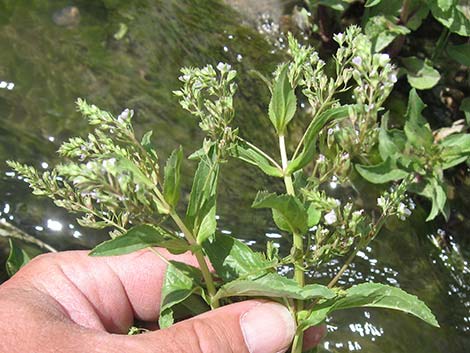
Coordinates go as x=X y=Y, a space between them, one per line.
x=69 y=302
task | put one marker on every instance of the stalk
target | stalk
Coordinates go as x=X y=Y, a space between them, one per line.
x=206 y=273
x=298 y=245
x=199 y=257
x=370 y=236
x=10 y=231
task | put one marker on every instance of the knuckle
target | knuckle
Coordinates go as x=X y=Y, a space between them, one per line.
x=206 y=338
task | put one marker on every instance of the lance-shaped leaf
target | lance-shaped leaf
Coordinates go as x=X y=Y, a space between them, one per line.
x=288 y=212
x=201 y=212
x=417 y=129
x=391 y=142
x=433 y=189
x=381 y=173
x=250 y=155
x=140 y=237
x=146 y=143
x=17 y=258
x=232 y=259
x=283 y=101
x=372 y=295
x=181 y=280
x=273 y=285
x=455 y=150
x=371 y=3
x=125 y=165
x=310 y=137
x=172 y=177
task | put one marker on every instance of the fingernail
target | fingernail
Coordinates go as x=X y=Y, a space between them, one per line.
x=268 y=328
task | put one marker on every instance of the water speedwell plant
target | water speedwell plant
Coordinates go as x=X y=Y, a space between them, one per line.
x=117 y=182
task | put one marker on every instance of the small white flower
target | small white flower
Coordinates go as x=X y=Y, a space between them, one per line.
x=381 y=201
x=357 y=60
x=393 y=78
x=330 y=217
x=339 y=37
x=358 y=213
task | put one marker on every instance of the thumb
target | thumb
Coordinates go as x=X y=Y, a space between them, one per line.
x=250 y=326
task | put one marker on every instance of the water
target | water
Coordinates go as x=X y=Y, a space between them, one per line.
x=49 y=60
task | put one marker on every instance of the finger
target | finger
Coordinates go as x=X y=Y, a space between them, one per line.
x=250 y=326
x=104 y=293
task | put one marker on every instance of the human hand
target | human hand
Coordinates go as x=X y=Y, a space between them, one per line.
x=70 y=302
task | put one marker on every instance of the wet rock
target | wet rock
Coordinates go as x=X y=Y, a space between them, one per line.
x=67 y=17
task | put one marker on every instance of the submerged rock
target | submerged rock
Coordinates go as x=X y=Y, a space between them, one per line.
x=67 y=17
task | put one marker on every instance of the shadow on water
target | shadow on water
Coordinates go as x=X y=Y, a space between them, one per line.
x=120 y=54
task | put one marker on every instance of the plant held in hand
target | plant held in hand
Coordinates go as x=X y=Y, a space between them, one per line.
x=117 y=182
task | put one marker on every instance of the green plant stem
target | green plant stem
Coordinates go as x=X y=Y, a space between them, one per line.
x=441 y=43
x=10 y=231
x=297 y=243
x=378 y=226
x=287 y=178
x=199 y=257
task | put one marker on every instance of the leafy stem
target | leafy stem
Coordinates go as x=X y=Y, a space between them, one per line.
x=297 y=241
x=199 y=257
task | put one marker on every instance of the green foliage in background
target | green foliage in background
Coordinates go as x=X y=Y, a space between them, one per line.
x=391 y=24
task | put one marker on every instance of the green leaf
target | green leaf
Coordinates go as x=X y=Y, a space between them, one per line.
x=146 y=143
x=370 y=3
x=273 y=285
x=232 y=259
x=314 y=215
x=16 y=259
x=250 y=155
x=166 y=318
x=283 y=101
x=465 y=107
x=456 y=18
x=381 y=173
x=382 y=30
x=417 y=129
x=372 y=295
x=172 y=177
x=460 y=53
x=201 y=211
x=418 y=13
x=125 y=165
x=420 y=74
x=445 y=5
x=140 y=237
x=311 y=134
x=435 y=191
x=455 y=150
x=288 y=212
x=146 y=140
x=391 y=142
x=181 y=280
x=338 y=5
